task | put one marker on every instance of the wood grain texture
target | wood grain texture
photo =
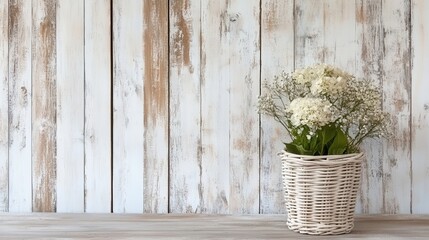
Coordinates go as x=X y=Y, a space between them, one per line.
x=397 y=99
x=185 y=112
x=20 y=102
x=215 y=107
x=317 y=34
x=138 y=226
x=4 y=109
x=184 y=132
x=277 y=55
x=44 y=105
x=243 y=38
x=156 y=110
x=369 y=57
x=97 y=106
x=339 y=46
x=420 y=106
x=70 y=105
x=128 y=101
x=230 y=38
x=309 y=44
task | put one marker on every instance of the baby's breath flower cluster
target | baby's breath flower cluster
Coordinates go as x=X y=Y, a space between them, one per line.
x=321 y=101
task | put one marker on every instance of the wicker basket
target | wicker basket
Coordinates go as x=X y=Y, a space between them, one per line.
x=320 y=192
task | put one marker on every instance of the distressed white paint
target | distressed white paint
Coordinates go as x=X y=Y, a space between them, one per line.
x=420 y=106
x=215 y=106
x=70 y=106
x=318 y=39
x=128 y=106
x=4 y=126
x=43 y=80
x=308 y=33
x=230 y=84
x=20 y=183
x=156 y=110
x=185 y=115
x=368 y=65
x=396 y=99
x=213 y=83
x=277 y=55
x=339 y=47
x=243 y=34
x=97 y=106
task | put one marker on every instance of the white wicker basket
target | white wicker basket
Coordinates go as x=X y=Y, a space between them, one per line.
x=320 y=192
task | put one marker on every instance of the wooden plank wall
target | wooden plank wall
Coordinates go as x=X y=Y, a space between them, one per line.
x=420 y=106
x=4 y=101
x=147 y=106
x=70 y=106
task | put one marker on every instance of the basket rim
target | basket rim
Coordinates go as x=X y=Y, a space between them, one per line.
x=308 y=160
x=349 y=155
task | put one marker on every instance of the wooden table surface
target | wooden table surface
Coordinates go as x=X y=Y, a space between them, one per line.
x=139 y=226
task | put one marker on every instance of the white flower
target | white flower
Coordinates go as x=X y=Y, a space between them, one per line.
x=330 y=86
x=301 y=77
x=311 y=112
x=319 y=95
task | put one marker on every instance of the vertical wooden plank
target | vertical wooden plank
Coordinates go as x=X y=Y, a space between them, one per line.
x=97 y=106
x=339 y=36
x=156 y=121
x=44 y=105
x=277 y=55
x=4 y=126
x=128 y=106
x=244 y=80
x=325 y=33
x=215 y=107
x=70 y=106
x=20 y=106
x=369 y=57
x=369 y=28
x=185 y=115
x=230 y=84
x=396 y=92
x=420 y=106
x=309 y=47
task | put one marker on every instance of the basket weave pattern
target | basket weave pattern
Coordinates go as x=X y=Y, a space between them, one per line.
x=320 y=192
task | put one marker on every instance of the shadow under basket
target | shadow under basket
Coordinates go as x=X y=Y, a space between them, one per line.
x=320 y=192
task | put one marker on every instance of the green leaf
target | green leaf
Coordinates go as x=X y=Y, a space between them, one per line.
x=329 y=140
x=297 y=149
x=326 y=134
x=336 y=151
x=304 y=151
x=313 y=143
x=339 y=145
x=292 y=148
x=304 y=142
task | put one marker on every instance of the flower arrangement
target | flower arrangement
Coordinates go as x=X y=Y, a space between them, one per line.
x=325 y=110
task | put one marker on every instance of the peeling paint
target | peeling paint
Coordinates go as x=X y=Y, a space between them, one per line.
x=44 y=107
x=156 y=108
x=222 y=62
x=4 y=111
x=181 y=38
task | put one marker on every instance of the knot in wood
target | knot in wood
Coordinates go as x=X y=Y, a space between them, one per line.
x=234 y=17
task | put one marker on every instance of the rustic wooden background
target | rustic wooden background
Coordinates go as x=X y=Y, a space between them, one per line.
x=149 y=105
